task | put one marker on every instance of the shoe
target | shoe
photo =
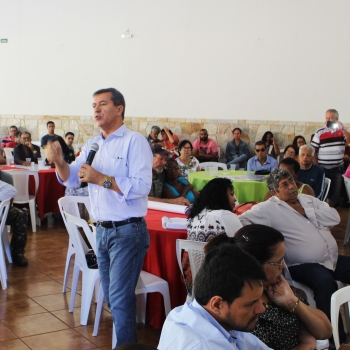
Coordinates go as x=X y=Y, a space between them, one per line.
x=20 y=260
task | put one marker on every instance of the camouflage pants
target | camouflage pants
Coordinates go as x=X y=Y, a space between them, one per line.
x=18 y=220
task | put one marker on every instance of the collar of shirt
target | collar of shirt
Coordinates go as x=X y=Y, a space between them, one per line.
x=230 y=336
x=267 y=161
x=119 y=132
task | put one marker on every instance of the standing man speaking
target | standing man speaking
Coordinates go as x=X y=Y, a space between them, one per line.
x=119 y=181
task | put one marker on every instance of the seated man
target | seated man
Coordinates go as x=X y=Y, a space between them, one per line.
x=18 y=220
x=237 y=151
x=228 y=287
x=50 y=136
x=261 y=161
x=26 y=150
x=310 y=173
x=9 y=141
x=155 y=131
x=160 y=158
x=205 y=149
x=311 y=250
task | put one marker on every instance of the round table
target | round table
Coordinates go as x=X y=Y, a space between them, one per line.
x=246 y=189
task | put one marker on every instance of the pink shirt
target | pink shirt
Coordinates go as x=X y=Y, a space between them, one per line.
x=207 y=148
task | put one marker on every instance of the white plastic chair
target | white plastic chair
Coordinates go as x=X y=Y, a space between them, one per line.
x=206 y=165
x=147 y=283
x=339 y=297
x=195 y=254
x=4 y=242
x=20 y=183
x=91 y=277
x=347 y=232
x=8 y=152
x=327 y=185
x=70 y=204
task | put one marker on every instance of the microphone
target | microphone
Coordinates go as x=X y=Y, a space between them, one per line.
x=90 y=158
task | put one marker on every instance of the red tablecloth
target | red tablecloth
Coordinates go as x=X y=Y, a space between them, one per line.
x=161 y=261
x=49 y=191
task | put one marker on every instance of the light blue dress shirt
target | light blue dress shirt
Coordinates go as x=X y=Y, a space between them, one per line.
x=254 y=164
x=126 y=156
x=190 y=327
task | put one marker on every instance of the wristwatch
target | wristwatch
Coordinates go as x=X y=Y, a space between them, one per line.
x=107 y=183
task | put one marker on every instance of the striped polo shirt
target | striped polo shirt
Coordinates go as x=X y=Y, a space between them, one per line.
x=331 y=147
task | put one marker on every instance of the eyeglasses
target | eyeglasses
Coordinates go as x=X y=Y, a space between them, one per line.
x=186 y=148
x=290 y=152
x=279 y=264
x=260 y=150
x=172 y=169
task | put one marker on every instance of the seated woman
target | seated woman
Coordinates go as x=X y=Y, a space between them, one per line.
x=211 y=215
x=288 y=322
x=291 y=151
x=175 y=185
x=271 y=145
x=293 y=167
x=186 y=161
x=299 y=141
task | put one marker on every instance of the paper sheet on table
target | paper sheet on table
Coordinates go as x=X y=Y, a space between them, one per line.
x=172 y=208
x=174 y=223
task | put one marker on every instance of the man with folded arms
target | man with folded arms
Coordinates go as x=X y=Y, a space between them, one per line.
x=26 y=150
x=205 y=149
x=119 y=181
x=10 y=140
x=261 y=160
x=311 y=250
x=228 y=287
x=160 y=158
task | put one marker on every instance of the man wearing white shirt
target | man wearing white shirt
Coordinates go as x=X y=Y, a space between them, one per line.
x=311 y=250
x=119 y=181
x=227 y=303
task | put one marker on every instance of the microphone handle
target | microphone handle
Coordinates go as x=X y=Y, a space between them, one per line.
x=89 y=161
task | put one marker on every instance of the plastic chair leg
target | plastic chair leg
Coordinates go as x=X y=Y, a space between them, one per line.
x=99 y=305
x=32 y=210
x=76 y=274
x=3 y=272
x=86 y=297
x=6 y=244
x=141 y=300
x=70 y=252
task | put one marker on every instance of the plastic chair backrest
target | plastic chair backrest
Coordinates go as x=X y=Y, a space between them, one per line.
x=4 y=208
x=20 y=183
x=70 y=204
x=206 y=165
x=79 y=222
x=8 y=152
x=196 y=256
x=347 y=185
x=339 y=297
x=327 y=185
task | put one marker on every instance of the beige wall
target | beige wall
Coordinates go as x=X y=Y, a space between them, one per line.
x=220 y=130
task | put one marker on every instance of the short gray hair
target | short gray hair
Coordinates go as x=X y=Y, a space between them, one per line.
x=308 y=147
x=155 y=128
x=275 y=177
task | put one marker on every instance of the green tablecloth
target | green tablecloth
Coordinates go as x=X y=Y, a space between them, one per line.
x=245 y=190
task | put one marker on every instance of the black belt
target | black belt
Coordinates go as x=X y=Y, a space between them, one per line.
x=111 y=224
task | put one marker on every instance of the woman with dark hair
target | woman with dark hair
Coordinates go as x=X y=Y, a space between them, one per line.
x=211 y=215
x=288 y=322
x=291 y=151
x=272 y=147
x=187 y=163
x=176 y=186
x=299 y=140
x=170 y=140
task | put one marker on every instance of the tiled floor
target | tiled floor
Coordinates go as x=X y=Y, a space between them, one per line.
x=34 y=312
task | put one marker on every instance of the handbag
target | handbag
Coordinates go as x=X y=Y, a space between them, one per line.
x=241 y=208
x=91 y=259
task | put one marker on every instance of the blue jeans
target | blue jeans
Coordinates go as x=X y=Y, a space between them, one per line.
x=323 y=282
x=335 y=175
x=120 y=254
x=239 y=162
